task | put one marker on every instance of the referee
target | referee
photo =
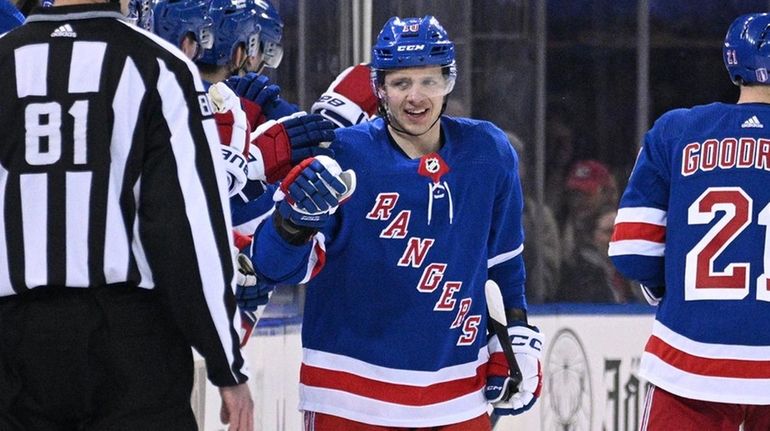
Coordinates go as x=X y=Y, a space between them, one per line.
x=114 y=240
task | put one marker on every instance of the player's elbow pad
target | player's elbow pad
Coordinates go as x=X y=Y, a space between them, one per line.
x=647 y=270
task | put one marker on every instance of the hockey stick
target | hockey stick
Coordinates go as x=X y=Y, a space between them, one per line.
x=499 y=325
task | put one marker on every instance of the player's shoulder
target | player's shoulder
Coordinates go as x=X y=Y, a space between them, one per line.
x=676 y=121
x=479 y=138
x=356 y=135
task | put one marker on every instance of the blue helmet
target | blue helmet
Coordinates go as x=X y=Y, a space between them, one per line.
x=270 y=33
x=746 y=51
x=174 y=19
x=139 y=13
x=235 y=23
x=412 y=42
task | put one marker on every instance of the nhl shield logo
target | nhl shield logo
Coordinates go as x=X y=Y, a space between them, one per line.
x=762 y=75
x=432 y=166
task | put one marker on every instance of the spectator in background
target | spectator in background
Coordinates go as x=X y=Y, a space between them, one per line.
x=589 y=186
x=560 y=153
x=542 y=233
x=590 y=275
x=10 y=17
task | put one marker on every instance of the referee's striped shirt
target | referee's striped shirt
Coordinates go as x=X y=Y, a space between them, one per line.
x=109 y=172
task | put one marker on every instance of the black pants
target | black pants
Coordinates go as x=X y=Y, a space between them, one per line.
x=98 y=359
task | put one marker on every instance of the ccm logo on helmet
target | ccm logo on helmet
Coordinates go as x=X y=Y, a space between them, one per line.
x=411 y=48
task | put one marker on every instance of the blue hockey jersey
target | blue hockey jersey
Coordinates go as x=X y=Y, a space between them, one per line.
x=394 y=325
x=692 y=226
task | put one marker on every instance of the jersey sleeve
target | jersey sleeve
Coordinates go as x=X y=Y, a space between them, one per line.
x=638 y=245
x=184 y=220
x=506 y=237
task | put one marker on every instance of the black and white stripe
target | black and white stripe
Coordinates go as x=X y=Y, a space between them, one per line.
x=109 y=173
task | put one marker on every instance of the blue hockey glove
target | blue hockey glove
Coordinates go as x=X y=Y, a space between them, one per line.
x=250 y=291
x=254 y=87
x=284 y=143
x=312 y=191
x=279 y=108
x=527 y=345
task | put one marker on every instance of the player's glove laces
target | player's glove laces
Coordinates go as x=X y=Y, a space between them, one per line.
x=527 y=343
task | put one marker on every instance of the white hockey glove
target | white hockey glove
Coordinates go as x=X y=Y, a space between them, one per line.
x=233 y=131
x=527 y=344
x=349 y=100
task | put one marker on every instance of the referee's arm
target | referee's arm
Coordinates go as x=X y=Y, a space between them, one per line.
x=184 y=219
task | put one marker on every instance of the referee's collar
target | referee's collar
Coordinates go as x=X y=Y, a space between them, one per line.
x=74 y=12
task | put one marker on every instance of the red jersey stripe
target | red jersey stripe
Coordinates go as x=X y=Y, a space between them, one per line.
x=391 y=392
x=642 y=231
x=731 y=368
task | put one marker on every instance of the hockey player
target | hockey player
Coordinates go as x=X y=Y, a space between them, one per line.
x=393 y=329
x=10 y=17
x=690 y=229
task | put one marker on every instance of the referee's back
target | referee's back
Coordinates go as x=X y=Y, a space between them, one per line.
x=108 y=173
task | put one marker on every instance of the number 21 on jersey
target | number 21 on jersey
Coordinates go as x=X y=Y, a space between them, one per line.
x=702 y=281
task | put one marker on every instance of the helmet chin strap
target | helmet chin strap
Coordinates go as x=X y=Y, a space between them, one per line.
x=385 y=113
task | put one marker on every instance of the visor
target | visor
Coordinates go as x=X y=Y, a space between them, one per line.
x=424 y=81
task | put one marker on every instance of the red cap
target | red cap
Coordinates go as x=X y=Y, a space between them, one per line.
x=588 y=176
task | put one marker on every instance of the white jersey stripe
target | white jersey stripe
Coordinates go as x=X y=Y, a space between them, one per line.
x=86 y=66
x=5 y=275
x=34 y=211
x=319 y=246
x=710 y=350
x=334 y=362
x=636 y=246
x=500 y=258
x=641 y=215
x=204 y=241
x=31 y=62
x=78 y=193
x=127 y=101
x=371 y=411
x=137 y=248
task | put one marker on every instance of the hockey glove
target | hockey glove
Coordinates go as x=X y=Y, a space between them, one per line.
x=349 y=100
x=233 y=131
x=284 y=143
x=250 y=291
x=312 y=191
x=254 y=87
x=258 y=89
x=527 y=344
